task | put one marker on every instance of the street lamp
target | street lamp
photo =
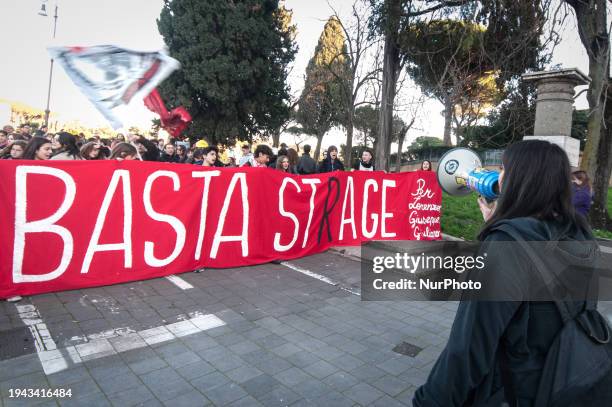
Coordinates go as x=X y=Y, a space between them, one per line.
x=43 y=12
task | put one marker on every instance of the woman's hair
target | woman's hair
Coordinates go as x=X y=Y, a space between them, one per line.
x=68 y=143
x=86 y=149
x=424 y=161
x=293 y=157
x=330 y=149
x=198 y=153
x=536 y=183
x=583 y=177
x=279 y=161
x=122 y=150
x=182 y=148
x=33 y=146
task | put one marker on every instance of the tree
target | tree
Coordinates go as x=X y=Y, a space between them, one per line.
x=422 y=142
x=591 y=17
x=446 y=59
x=390 y=18
x=320 y=105
x=400 y=129
x=514 y=28
x=234 y=57
x=366 y=122
x=351 y=74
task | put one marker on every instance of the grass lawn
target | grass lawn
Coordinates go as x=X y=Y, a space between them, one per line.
x=461 y=216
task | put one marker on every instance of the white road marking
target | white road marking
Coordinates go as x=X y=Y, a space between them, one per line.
x=179 y=282
x=106 y=343
x=319 y=277
x=605 y=249
x=50 y=358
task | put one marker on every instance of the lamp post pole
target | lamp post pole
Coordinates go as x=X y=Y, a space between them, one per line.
x=47 y=111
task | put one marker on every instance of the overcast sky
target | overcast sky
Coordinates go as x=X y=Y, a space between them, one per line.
x=131 y=23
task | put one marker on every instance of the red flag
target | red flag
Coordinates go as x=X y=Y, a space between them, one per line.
x=175 y=121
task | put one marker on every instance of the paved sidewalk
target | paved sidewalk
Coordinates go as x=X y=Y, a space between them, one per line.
x=271 y=335
x=287 y=339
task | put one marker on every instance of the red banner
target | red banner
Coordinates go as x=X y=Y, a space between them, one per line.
x=73 y=224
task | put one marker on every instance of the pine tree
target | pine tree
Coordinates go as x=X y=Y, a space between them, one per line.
x=234 y=57
x=320 y=105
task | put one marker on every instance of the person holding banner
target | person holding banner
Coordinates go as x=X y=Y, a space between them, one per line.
x=209 y=156
x=65 y=147
x=124 y=151
x=331 y=162
x=282 y=164
x=38 y=148
x=366 y=163
x=261 y=157
x=92 y=151
x=426 y=165
x=169 y=154
x=14 y=150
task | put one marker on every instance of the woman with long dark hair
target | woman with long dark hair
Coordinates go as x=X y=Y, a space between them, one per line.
x=65 y=147
x=38 y=148
x=426 y=165
x=14 y=150
x=92 y=151
x=124 y=151
x=497 y=349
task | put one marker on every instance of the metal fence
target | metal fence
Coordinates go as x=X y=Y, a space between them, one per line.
x=488 y=157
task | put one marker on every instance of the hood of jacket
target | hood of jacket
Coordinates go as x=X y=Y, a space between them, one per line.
x=572 y=240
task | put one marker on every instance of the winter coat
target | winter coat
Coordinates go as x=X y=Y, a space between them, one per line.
x=581 y=199
x=306 y=165
x=166 y=158
x=328 y=166
x=486 y=334
x=357 y=166
x=64 y=155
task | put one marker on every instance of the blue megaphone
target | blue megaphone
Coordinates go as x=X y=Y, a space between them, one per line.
x=460 y=172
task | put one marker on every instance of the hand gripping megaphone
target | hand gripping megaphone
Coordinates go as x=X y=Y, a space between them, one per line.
x=460 y=172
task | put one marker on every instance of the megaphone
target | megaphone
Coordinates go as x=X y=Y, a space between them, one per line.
x=460 y=172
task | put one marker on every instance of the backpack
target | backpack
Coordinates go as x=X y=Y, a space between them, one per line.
x=579 y=362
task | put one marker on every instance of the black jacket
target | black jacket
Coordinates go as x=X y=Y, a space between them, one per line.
x=369 y=165
x=485 y=333
x=306 y=165
x=166 y=158
x=328 y=166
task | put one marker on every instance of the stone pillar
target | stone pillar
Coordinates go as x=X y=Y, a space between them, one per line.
x=554 y=108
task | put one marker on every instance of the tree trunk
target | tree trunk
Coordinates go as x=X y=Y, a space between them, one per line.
x=448 y=120
x=317 y=151
x=348 y=160
x=599 y=216
x=400 y=145
x=374 y=145
x=276 y=139
x=591 y=22
x=591 y=19
x=391 y=65
x=458 y=134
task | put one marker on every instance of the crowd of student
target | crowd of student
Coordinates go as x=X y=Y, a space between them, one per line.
x=21 y=144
